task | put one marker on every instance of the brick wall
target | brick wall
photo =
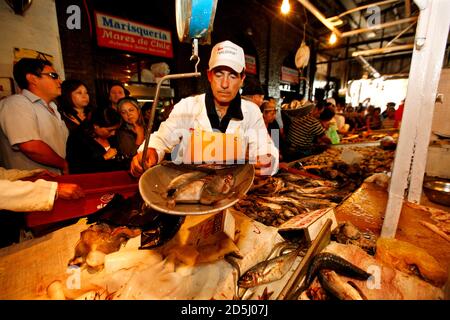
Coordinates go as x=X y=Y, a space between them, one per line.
x=77 y=46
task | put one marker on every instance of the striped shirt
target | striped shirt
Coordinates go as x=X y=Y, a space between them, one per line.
x=303 y=131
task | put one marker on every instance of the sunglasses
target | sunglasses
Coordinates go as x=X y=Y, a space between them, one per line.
x=52 y=75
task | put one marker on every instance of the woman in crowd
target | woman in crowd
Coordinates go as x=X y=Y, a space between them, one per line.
x=89 y=148
x=73 y=104
x=116 y=92
x=132 y=131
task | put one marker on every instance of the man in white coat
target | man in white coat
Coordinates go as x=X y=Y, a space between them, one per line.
x=220 y=109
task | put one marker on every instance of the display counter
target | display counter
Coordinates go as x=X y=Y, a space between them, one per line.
x=175 y=271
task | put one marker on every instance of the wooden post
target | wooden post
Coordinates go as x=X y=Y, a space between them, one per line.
x=426 y=64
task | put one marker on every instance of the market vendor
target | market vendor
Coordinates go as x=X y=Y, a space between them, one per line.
x=307 y=135
x=220 y=109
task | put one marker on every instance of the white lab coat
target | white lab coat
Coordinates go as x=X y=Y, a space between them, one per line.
x=191 y=113
x=25 y=196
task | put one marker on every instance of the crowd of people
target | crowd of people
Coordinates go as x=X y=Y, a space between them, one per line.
x=308 y=128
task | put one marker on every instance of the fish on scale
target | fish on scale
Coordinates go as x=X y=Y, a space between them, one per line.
x=199 y=187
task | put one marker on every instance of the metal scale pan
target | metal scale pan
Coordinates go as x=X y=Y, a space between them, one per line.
x=153 y=188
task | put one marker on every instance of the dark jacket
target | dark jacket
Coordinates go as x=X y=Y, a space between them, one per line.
x=85 y=154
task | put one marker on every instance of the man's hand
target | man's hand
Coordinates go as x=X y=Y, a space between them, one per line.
x=263 y=165
x=136 y=167
x=69 y=191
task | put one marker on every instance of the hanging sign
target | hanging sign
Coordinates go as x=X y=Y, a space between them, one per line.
x=250 y=64
x=289 y=75
x=118 y=33
x=20 y=53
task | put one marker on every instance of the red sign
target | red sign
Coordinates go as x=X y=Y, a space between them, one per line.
x=117 y=33
x=289 y=75
x=250 y=64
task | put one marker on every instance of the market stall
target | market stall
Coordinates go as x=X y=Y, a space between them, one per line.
x=329 y=226
x=278 y=218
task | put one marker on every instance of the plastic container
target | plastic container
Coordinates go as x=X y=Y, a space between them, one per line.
x=99 y=188
x=333 y=135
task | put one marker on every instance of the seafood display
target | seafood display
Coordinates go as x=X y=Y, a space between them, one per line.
x=366 y=136
x=99 y=240
x=274 y=200
x=130 y=273
x=347 y=233
x=374 y=160
x=333 y=262
x=385 y=282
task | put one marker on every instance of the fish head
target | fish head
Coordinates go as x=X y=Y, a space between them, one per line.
x=248 y=280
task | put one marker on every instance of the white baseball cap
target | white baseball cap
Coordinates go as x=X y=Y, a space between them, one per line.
x=228 y=54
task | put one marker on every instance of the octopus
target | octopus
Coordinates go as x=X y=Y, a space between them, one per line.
x=99 y=240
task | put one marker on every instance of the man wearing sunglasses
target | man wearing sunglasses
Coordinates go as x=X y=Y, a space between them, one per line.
x=32 y=134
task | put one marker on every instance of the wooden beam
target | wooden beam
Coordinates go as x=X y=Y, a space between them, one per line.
x=360 y=43
x=408 y=8
x=380 y=56
x=320 y=16
x=381 y=3
x=379 y=26
x=383 y=50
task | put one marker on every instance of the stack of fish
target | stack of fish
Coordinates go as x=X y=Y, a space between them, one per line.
x=274 y=200
x=374 y=159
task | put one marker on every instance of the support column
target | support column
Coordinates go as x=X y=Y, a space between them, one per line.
x=426 y=64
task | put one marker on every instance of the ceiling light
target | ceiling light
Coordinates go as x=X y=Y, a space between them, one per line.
x=285 y=7
x=332 y=39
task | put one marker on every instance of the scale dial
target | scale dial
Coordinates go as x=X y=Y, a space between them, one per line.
x=194 y=19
